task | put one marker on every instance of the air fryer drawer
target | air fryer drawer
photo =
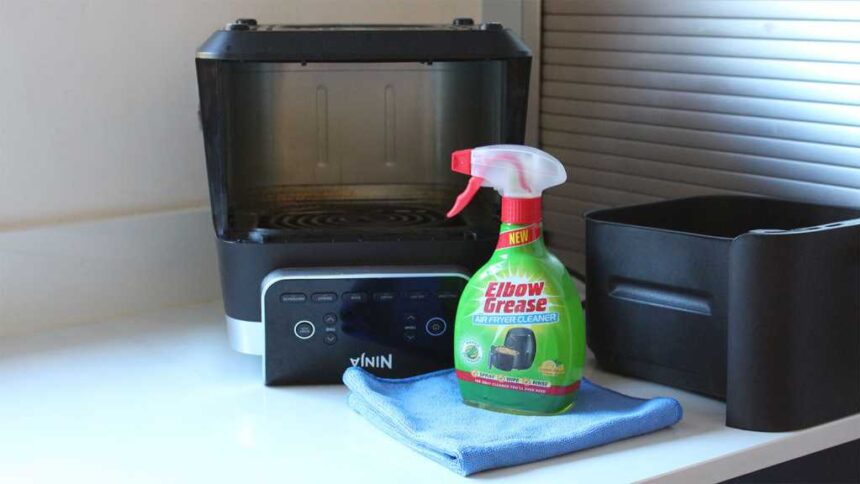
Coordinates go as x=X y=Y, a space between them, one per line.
x=746 y=299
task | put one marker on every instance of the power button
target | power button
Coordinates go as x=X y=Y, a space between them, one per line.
x=304 y=329
x=436 y=326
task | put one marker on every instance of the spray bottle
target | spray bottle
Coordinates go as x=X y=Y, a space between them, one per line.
x=519 y=336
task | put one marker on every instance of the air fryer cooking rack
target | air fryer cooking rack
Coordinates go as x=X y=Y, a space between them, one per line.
x=354 y=213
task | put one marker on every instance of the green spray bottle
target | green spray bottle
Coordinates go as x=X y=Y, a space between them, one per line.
x=519 y=336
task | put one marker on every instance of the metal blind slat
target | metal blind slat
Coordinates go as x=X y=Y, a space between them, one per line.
x=708 y=140
x=773 y=9
x=829 y=72
x=557 y=92
x=717 y=122
x=707 y=83
x=706 y=178
x=729 y=162
x=707 y=46
x=694 y=27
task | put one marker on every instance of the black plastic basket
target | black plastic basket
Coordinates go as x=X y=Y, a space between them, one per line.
x=751 y=300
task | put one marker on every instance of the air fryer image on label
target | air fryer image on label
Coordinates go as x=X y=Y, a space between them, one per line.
x=518 y=352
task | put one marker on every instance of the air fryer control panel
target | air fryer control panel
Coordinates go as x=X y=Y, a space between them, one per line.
x=394 y=322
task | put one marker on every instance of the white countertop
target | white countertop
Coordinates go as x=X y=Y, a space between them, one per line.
x=161 y=398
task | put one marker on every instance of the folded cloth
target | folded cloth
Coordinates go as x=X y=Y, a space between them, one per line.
x=426 y=413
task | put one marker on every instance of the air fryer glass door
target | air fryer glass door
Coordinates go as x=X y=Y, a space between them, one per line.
x=322 y=150
x=357 y=123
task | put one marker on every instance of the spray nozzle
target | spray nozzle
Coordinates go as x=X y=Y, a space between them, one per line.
x=516 y=172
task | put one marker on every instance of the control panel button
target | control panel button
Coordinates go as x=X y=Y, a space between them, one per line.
x=330 y=318
x=409 y=335
x=304 y=329
x=416 y=295
x=384 y=296
x=447 y=295
x=436 y=326
x=358 y=297
x=324 y=297
x=409 y=319
x=330 y=338
x=293 y=297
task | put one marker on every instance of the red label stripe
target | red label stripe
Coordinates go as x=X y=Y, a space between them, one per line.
x=520 y=387
x=523 y=236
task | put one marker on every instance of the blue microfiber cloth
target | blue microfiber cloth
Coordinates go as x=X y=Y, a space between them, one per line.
x=426 y=413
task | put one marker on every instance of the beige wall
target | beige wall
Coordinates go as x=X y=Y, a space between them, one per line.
x=98 y=99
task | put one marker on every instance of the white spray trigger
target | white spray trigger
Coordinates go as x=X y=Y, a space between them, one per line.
x=516 y=171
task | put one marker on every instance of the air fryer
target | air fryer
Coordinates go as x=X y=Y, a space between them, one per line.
x=518 y=352
x=523 y=341
x=330 y=145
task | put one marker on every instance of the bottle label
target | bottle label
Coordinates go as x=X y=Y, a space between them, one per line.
x=519 y=322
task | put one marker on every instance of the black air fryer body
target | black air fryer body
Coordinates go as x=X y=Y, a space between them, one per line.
x=329 y=146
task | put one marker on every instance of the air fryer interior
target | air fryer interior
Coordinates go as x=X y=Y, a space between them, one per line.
x=356 y=150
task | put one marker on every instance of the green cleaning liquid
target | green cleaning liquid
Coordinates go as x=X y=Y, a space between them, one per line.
x=519 y=336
